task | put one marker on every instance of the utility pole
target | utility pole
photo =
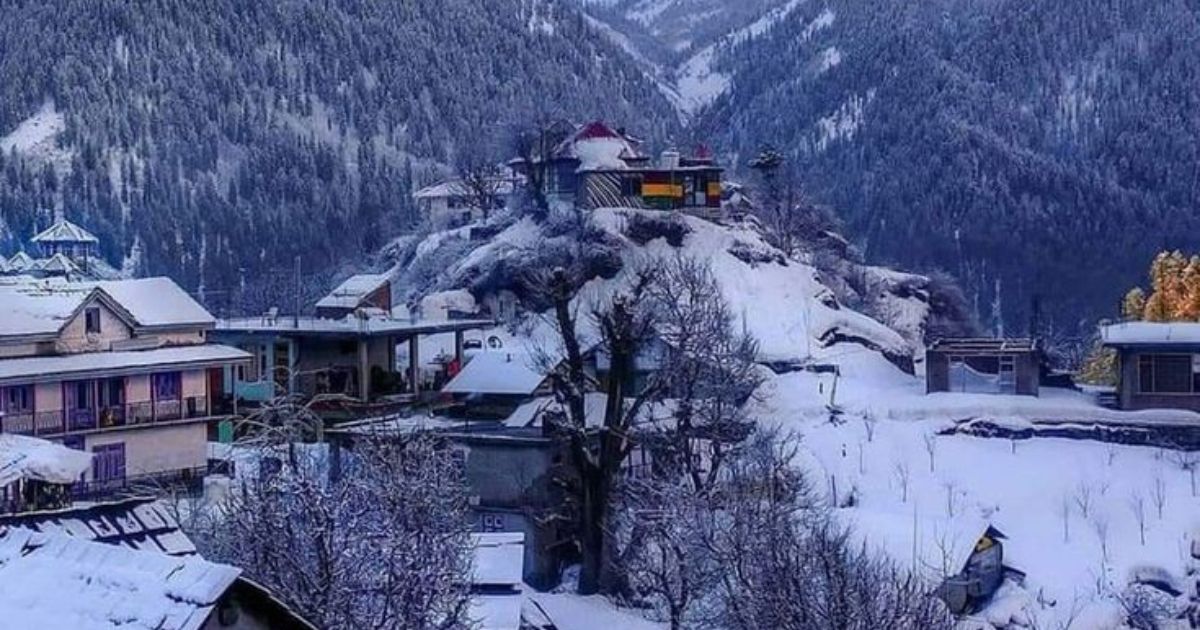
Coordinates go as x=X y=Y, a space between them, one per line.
x=296 y=290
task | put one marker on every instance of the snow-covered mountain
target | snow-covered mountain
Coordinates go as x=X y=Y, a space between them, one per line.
x=680 y=41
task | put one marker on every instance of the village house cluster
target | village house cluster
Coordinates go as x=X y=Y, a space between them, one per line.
x=112 y=387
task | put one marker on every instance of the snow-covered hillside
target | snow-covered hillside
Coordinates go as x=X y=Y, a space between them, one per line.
x=884 y=452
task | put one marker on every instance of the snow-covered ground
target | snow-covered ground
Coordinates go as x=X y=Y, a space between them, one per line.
x=1075 y=563
x=1067 y=507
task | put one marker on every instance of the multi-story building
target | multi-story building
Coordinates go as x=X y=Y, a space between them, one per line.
x=120 y=369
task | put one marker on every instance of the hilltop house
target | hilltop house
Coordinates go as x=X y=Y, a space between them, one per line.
x=119 y=369
x=450 y=203
x=596 y=166
x=68 y=239
x=1158 y=364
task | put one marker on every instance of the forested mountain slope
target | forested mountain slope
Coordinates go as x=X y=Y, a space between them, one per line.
x=1039 y=149
x=227 y=136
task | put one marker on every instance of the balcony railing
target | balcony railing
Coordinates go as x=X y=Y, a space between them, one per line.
x=17 y=423
x=138 y=413
x=48 y=422
x=187 y=479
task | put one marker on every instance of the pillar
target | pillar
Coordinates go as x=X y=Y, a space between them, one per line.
x=414 y=365
x=458 y=347
x=364 y=370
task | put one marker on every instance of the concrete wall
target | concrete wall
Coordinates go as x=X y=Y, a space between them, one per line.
x=157 y=449
x=74 y=337
x=194 y=383
x=48 y=397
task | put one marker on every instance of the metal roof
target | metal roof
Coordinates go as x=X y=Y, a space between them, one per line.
x=349 y=327
x=968 y=345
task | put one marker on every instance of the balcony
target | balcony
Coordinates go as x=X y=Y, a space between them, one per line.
x=55 y=422
x=17 y=423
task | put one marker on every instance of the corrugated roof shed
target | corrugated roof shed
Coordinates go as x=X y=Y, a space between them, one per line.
x=503 y=373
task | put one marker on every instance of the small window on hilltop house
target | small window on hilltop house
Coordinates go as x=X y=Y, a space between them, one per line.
x=91 y=316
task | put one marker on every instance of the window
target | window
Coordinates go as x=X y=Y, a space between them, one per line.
x=1167 y=374
x=167 y=386
x=91 y=316
x=17 y=399
x=81 y=394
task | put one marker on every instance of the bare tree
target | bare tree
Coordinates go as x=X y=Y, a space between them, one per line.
x=788 y=218
x=385 y=543
x=597 y=450
x=1100 y=526
x=903 y=475
x=1137 y=503
x=1158 y=494
x=482 y=182
x=930 y=440
x=1083 y=498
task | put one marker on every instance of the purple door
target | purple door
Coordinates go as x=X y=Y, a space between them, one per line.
x=108 y=463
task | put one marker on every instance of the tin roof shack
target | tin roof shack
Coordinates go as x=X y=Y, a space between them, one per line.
x=984 y=366
x=978 y=576
x=361 y=291
x=1158 y=364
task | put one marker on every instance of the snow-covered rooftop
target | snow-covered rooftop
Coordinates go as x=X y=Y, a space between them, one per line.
x=499 y=558
x=58 y=264
x=64 y=231
x=350 y=293
x=598 y=147
x=497 y=373
x=20 y=261
x=113 y=363
x=1150 y=333
x=23 y=457
x=498 y=572
x=58 y=581
x=348 y=326
x=40 y=307
x=455 y=188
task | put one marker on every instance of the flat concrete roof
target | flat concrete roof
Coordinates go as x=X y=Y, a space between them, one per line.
x=350 y=327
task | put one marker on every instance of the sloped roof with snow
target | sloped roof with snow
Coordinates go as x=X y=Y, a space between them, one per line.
x=142 y=523
x=598 y=147
x=157 y=302
x=20 y=261
x=23 y=457
x=503 y=373
x=113 y=363
x=351 y=293
x=43 y=307
x=498 y=574
x=63 y=231
x=1151 y=333
x=57 y=263
x=455 y=188
x=58 y=581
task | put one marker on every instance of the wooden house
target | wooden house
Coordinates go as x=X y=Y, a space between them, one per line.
x=73 y=242
x=1158 y=364
x=983 y=366
x=596 y=166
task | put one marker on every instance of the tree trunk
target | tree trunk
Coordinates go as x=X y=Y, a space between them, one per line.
x=593 y=511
